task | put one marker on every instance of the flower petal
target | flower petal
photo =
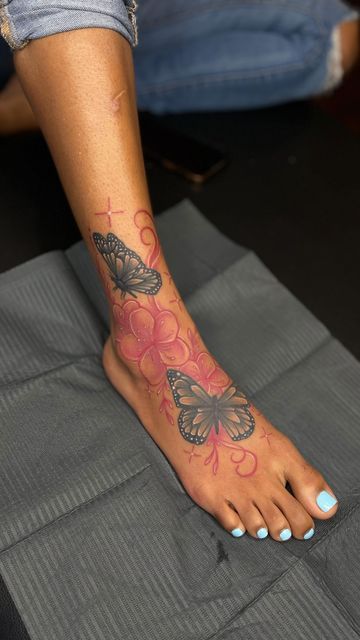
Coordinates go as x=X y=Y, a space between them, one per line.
x=175 y=353
x=206 y=364
x=131 y=347
x=219 y=378
x=191 y=369
x=151 y=366
x=166 y=327
x=142 y=325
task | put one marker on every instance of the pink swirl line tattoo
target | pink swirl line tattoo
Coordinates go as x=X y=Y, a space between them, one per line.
x=148 y=237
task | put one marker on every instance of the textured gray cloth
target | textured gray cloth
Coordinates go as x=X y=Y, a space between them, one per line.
x=98 y=539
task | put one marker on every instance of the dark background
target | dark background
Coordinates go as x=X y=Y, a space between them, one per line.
x=290 y=192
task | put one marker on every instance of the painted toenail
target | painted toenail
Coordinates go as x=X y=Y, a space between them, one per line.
x=285 y=534
x=262 y=533
x=237 y=533
x=309 y=534
x=325 y=501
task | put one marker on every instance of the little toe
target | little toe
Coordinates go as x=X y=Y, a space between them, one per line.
x=301 y=523
x=277 y=524
x=311 y=490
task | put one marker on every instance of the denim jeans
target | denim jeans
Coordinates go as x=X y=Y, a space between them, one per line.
x=203 y=54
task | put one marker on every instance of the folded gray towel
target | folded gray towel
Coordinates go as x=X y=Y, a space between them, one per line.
x=98 y=540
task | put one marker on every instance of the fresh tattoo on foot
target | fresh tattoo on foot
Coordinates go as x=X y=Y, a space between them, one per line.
x=126 y=269
x=209 y=419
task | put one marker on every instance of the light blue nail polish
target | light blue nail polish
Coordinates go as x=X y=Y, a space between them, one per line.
x=262 y=533
x=325 y=501
x=285 y=534
x=237 y=533
x=309 y=534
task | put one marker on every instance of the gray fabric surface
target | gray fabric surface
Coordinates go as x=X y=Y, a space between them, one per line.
x=98 y=539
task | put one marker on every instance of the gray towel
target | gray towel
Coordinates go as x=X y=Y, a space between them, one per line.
x=98 y=539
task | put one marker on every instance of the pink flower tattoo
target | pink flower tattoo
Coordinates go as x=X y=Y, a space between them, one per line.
x=150 y=339
x=206 y=371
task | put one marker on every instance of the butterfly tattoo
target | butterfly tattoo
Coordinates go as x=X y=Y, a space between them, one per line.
x=200 y=412
x=127 y=270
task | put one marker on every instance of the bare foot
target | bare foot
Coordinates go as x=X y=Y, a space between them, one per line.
x=230 y=459
x=16 y=114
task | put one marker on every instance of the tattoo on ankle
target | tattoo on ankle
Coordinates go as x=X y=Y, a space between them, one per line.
x=213 y=411
x=126 y=269
x=209 y=419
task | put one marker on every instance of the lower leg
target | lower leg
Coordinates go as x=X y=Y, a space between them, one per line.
x=230 y=459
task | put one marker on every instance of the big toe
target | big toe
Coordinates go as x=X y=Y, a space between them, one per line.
x=312 y=491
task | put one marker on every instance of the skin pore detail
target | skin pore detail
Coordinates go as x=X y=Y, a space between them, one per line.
x=179 y=373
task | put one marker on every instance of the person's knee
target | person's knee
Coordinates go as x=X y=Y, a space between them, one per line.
x=350 y=44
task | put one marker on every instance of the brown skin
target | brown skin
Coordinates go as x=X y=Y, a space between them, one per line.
x=81 y=89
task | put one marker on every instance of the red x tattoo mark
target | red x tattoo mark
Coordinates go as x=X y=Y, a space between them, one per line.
x=109 y=213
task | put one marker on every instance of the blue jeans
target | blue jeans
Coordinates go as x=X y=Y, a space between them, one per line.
x=202 y=54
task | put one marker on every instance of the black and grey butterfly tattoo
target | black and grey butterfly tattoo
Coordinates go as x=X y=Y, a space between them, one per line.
x=127 y=270
x=201 y=412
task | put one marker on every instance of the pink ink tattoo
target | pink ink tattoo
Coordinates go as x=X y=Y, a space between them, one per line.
x=192 y=454
x=151 y=339
x=109 y=213
x=177 y=301
x=267 y=436
x=145 y=222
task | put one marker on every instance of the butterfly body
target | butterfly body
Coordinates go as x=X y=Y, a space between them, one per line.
x=200 y=413
x=127 y=271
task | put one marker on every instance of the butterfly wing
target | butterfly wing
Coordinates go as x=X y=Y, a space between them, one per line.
x=130 y=274
x=137 y=277
x=110 y=248
x=235 y=415
x=197 y=415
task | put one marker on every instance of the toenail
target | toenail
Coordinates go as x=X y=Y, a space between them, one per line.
x=285 y=534
x=237 y=533
x=262 y=533
x=309 y=534
x=325 y=501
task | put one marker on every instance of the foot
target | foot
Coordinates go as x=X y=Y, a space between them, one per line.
x=242 y=483
x=16 y=114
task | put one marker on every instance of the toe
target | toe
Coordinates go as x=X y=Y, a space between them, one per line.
x=253 y=520
x=300 y=522
x=276 y=522
x=311 y=490
x=228 y=517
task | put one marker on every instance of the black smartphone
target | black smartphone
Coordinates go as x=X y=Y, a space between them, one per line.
x=177 y=152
